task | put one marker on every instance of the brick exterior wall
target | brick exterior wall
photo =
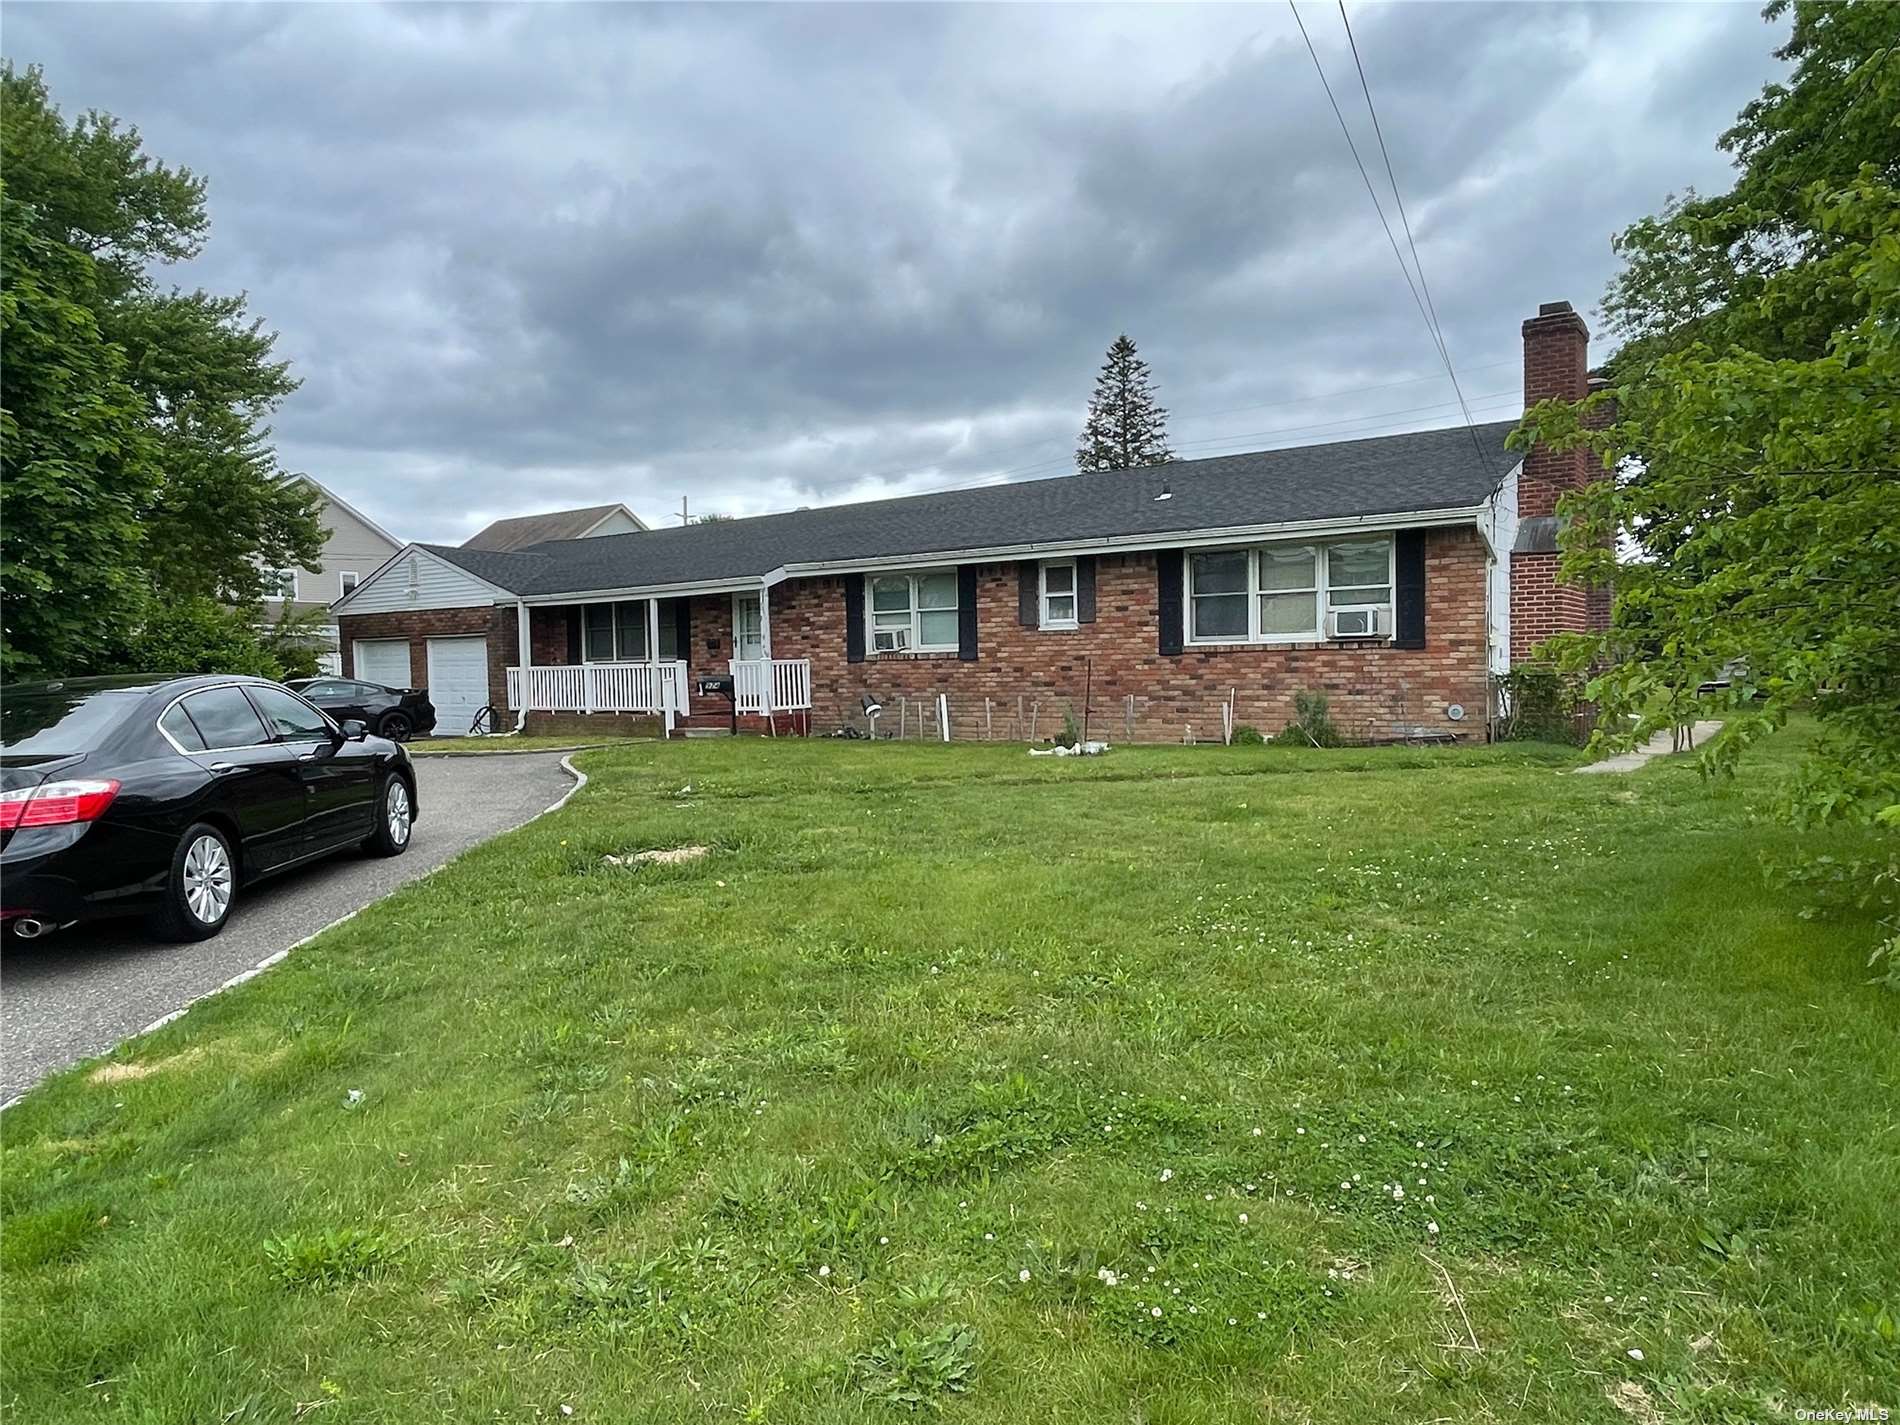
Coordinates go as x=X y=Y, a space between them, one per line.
x=1029 y=674
x=1376 y=691
x=496 y=621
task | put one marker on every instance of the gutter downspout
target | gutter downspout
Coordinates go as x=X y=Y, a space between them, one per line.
x=524 y=655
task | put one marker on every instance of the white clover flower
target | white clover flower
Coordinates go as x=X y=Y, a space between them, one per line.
x=824 y=1271
x=1243 y=1219
x=1300 y=1131
x=1167 y=1175
x=1635 y=1353
x=1232 y=1322
x=883 y=1241
x=1154 y=1311
x=1023 y=1275
x=989 y=1236
x=1432 y=1227
x=1257 y=1132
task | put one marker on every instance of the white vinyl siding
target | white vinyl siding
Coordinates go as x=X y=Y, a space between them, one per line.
x=1281 y=593
x=419 y=580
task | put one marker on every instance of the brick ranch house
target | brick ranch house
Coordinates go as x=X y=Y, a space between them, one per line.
x=1394 y=574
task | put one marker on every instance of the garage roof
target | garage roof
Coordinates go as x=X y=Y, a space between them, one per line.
x=1399 y=475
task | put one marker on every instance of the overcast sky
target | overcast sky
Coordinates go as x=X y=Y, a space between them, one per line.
x=532 y=257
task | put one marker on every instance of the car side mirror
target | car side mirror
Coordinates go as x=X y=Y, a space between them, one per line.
x=355 y=730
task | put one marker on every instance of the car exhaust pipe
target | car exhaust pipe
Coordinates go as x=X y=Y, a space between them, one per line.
x=29 y=928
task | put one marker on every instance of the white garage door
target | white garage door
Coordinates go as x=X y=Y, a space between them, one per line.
x=383 y=660
x=458 y=682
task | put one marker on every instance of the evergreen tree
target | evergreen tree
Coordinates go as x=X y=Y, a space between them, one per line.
x=1126 y=425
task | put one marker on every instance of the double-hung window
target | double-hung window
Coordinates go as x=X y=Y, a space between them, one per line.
x=1058 y=596
x=1282 y=593
x=614 y=633
x=280 y=583
x=913 y=613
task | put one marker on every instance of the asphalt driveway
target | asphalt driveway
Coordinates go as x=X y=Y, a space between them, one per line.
x=74 y=994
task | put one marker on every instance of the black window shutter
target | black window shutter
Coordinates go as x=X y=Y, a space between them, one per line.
x=854 y=618
x=1028 y=593
x=574 y=633
x=1085 y=589
x=966 y=612
x=1409 y=556
x=1168 y=598
x=683 y=628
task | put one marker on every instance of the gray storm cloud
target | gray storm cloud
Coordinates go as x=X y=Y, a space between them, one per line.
x=768 y=256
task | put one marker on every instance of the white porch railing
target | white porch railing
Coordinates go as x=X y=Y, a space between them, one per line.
x=780 y=685
x=600 y=688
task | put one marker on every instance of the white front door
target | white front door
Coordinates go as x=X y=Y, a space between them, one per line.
x=458 y=682
x=384 y=661
x=748 y=630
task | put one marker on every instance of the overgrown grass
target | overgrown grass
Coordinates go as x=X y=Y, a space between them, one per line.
x=1181 y=1085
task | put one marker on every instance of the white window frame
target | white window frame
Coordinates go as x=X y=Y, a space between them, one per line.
x=284 y=576
x=1074 y=595
x=913 y=632
x=616 y=625
x=1322 y=602
x=347 y=580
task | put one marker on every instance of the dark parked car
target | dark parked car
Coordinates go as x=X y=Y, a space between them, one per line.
x=396 y=713
x=166 y=796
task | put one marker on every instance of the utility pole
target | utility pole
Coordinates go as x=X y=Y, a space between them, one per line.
x=684 y=517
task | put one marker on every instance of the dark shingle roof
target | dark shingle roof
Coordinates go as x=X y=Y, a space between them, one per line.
x=1394 y=474
x=524 y=530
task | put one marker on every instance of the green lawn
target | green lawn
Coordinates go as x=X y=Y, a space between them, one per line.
x=1025 y=1088
x=427 y=746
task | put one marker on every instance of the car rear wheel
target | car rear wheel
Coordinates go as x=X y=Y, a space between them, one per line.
x=396 y=726
x=395 y=818
x=201 y=887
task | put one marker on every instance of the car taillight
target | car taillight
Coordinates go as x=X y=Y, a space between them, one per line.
x=56 y=803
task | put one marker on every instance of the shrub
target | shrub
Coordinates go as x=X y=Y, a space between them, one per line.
x=199 y=636
x=1070 y=734
x=1541 y=704
x=1247 y=735
x=1312 y=724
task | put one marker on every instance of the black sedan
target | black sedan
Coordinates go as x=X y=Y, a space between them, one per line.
x=396 y=713
x=166 y=796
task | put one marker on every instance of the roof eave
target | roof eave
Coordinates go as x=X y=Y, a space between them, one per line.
x=1114 y=544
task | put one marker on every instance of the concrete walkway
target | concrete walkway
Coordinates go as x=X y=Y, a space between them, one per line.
x=1661 y=745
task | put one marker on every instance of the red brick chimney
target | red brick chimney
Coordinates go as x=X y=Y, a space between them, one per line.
x=1556 y=350
x=1556 y=364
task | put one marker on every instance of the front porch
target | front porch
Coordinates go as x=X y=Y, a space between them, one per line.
x=761 y=688
x=657 y=658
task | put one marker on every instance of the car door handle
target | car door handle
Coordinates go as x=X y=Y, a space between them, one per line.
x=224 y=766
x=309 y=756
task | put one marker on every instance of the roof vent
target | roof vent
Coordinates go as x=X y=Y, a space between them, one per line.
x=1167 y=492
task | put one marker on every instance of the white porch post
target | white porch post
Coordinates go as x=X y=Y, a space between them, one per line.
x=765 y=650
x=524 y=655
x=660 y=690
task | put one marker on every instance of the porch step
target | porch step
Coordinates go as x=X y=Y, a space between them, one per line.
x=704 y=731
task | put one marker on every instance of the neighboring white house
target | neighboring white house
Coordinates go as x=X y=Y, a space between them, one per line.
x=354 y=547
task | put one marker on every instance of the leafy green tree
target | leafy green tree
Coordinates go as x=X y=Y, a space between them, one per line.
x=1126 y=425
x=200 y=635
x=184 y=379
x=1752 y=430
x=78 y=462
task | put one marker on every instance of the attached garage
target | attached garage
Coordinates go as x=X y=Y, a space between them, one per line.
x=458 y=682
x=384 y=661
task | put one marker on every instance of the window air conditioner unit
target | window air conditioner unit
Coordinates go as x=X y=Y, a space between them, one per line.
x=1356 y=623
x=891 y=640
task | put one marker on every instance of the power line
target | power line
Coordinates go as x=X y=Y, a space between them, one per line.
x=1427 y=316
